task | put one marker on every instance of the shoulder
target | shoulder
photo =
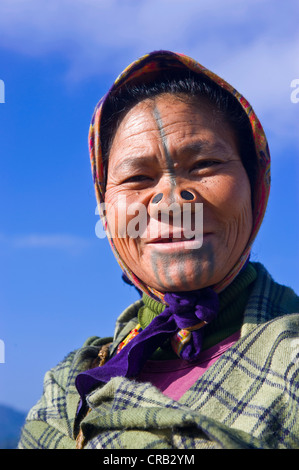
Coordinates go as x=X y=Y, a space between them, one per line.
x=59 y=401
x=268 y=300
x=281 y=298
x=50 y=422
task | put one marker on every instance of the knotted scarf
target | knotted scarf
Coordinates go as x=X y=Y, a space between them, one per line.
x=184 y=310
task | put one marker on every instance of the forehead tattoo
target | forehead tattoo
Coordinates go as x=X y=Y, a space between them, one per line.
x=169 y=161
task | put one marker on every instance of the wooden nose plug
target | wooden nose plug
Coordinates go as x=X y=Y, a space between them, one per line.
x=187 y=195
x=157 y=198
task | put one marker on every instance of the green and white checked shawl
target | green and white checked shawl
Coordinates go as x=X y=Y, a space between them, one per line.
x=247 y=399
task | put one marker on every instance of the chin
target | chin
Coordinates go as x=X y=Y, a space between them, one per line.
x=180 y=280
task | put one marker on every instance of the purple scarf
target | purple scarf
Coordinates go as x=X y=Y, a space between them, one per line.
x=184 y=310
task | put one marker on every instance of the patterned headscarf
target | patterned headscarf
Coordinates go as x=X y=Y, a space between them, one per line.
x=152 y=64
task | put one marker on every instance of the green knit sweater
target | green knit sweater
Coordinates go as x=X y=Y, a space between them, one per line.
x=229 y=320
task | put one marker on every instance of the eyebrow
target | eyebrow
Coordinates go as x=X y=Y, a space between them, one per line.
x=199 y=146
x=130 y=163
x=195 y=148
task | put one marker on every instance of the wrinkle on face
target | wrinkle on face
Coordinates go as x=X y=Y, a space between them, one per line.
x=169 y=141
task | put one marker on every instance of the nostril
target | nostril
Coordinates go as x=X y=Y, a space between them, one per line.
x=187 y=195
x=157 y=198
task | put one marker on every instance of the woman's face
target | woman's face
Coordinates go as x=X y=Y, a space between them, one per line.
x=169 y=151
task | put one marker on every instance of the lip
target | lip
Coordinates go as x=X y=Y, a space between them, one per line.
x=172 y=238
x=168 y=239
x=171 y=243
x=167 y=246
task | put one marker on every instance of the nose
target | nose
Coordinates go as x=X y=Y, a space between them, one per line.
x=170 y=201
x=184 y=195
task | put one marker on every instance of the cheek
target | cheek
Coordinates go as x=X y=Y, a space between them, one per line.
x=116 y=217
x=128 y=212
x=127 y=247
x=239 y=207
x=118 y=208
x=126 y=220
x=229 y=197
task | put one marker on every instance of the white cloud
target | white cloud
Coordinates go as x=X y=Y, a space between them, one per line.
x=69 y=243
x=99 y=33
x=254 y=44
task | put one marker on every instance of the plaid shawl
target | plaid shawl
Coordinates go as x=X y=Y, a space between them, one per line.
x=247 y=399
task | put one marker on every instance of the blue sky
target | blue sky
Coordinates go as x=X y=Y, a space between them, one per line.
x=59 y=283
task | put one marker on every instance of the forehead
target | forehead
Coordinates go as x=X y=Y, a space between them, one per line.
x=170 y=119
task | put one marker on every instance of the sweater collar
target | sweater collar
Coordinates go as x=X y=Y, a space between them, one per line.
x=232 y=301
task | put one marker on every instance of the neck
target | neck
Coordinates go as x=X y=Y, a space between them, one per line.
x=232 y=301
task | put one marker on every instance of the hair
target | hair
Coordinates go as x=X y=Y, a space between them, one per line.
x=185 y=83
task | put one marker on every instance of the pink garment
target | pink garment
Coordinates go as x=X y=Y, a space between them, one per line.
x=174 y=377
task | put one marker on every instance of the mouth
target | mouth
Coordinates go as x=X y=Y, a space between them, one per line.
x=171 y=239
x=177 y=241
x=172 y=243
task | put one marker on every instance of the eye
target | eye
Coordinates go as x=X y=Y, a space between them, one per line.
x=137 y=179
x=202 y=164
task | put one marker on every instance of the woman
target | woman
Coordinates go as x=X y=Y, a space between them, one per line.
x=206 y=358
